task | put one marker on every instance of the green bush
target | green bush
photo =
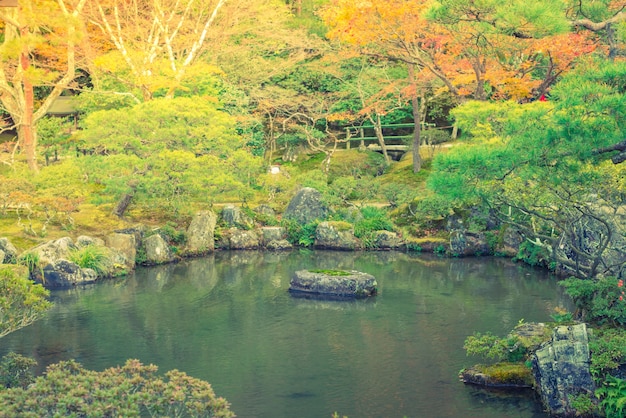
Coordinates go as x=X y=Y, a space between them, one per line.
x=171 y=233
x=21 y=301
x=608 y=351
x=91 y=257
x=372 y=219
x=613 y=397
x=30 y=261
x=302 y=235
x=600 y=300
x=532 y=254
x=495 y=348
x=15 y=371
x=67 y=389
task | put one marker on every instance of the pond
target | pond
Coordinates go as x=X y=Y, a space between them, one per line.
x=229 y=319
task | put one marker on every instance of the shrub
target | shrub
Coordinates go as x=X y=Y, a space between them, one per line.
x=495 y=348
x=601 y=300
x=372 y=219
x=67 y=389
x=613 y=397
x=297 y=234
x=532 y=254
x=15 y=371
x=91 y=257
x=21 y=301
x=30 y=261
x=608 y=351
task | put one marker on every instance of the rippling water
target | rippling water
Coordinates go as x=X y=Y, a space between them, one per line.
x=229 y=319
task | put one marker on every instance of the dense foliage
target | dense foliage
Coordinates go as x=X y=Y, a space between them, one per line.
x=191 y=110
x=21 y=300
x=541 y=167
x=132 y=390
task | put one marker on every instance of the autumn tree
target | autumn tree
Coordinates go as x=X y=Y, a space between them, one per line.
x=156 y=41
x=38 y=60
x=397 y=30
x=605 y=18
x=476 y=50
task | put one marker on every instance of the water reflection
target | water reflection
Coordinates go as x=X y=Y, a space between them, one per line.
x=229 y=319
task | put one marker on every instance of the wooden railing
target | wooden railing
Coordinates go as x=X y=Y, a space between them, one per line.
x=358 y=133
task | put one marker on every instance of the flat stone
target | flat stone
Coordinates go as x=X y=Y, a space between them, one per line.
x=350 y=283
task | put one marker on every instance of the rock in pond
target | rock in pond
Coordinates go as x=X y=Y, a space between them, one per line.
x=333 y=283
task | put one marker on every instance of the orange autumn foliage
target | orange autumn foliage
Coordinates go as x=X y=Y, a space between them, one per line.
x=465 y=59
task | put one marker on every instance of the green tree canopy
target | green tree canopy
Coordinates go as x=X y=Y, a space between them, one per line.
x=545 y=168
x=21 y=301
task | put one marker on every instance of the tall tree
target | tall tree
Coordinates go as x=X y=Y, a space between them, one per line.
x=30 y=31
x=157 y=40
x=544 y=168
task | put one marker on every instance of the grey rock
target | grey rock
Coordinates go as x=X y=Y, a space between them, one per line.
x=510 y=242
x=334 y=236
x=306 y=207
x=272 y=233
x=52 y=251
x=201 y=234
x=157 y=250
x=266 y=210
x=243 y=240
x=465 y=243
x=280 y=244
x=125 y=245
x=350 y=283
x=63 y=273
x=561 y=369
x=387 y=240
x=9 y=251
x=233 y=216
x=84 y=241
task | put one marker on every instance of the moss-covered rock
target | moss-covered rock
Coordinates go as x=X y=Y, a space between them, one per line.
x=502 y=375
x=334 y=283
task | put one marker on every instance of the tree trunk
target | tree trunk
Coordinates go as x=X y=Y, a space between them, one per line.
x=26 y=128
x=417 y=118
x=379 y=135
x=123 y=204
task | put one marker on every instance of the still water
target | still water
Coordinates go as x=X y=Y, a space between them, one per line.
x=230 y=320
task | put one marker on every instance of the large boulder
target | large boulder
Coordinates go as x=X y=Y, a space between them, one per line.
x=52 y=251
x=306 y=207
x=125 y=245
x=465 y=243
x=85 y=241
x=9 y=252
x=156 y=250
x=201 y=234
x=233 y=216
x=274 y=238
x=333 y=283
x=387 y=240
x=335 y=236
x=242 y=240
x=63 y=273
x=561 y=369
x=510 y=241
x=265 y=210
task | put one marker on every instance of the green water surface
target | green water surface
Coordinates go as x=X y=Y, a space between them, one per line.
x=229 y=319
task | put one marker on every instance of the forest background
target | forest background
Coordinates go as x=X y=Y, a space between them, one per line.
x=179 y=106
